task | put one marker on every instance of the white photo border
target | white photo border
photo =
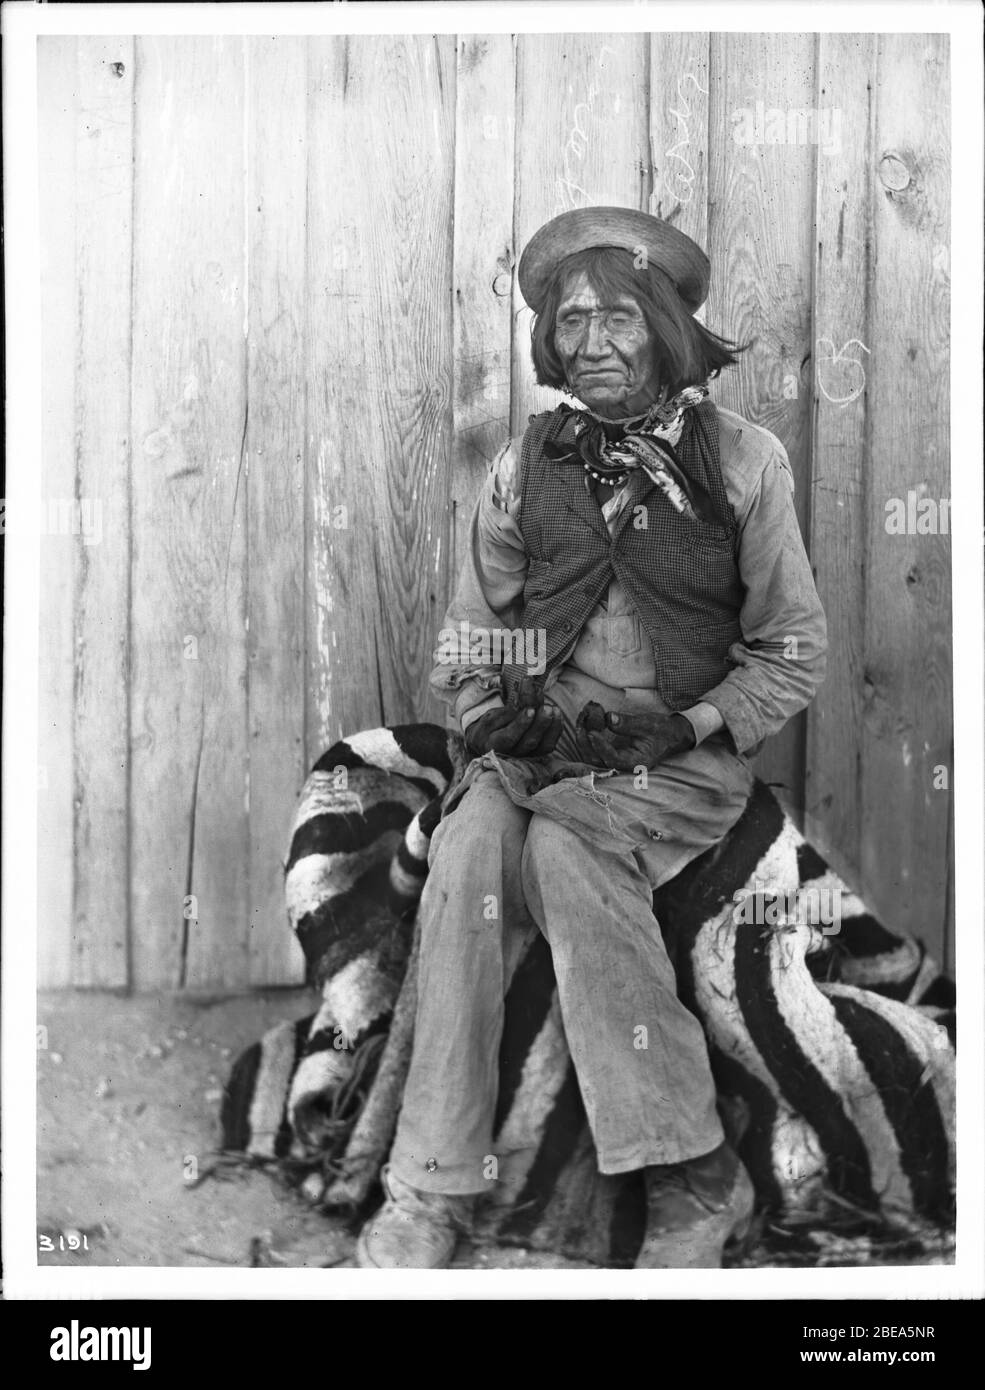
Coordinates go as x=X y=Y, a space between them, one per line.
x=22 y=24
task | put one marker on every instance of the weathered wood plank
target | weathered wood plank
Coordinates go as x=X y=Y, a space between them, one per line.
x=679 y=131
x=57 y=120
x=379 y=373
x=189 y=718
x=907 y=728
x=582 y=138
x=760 y=217
x=104 y=237
x=276 y=87
x=288 y=573
x=484 y=261
x=846 y=66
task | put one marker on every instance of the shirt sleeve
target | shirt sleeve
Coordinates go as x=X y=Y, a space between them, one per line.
x=780 y=662
x=487 y=597
x=704 y=719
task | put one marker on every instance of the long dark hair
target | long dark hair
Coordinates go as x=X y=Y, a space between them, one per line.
x=686 y=352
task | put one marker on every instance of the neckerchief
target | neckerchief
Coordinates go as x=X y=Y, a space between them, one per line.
x=610 y=450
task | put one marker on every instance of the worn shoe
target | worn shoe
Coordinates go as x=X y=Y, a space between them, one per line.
x=693 y=1208
x=412 y=1229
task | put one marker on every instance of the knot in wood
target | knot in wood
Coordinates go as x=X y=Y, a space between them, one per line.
x=894 y=174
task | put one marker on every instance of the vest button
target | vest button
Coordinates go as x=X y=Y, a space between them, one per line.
x=567 y=627
x=589 y=591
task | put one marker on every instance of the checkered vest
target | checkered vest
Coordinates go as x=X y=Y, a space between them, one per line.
x=681 y=573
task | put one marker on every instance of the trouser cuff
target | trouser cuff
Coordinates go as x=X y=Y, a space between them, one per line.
x=658 y=1155
x=452 y=1178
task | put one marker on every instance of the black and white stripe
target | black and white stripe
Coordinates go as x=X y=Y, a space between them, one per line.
x=832 y=1054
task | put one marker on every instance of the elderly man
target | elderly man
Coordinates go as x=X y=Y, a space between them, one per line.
x=642 y=554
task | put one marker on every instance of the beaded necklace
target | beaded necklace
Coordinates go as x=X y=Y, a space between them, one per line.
x=641 y=441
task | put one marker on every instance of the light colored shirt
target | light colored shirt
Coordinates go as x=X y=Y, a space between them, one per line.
x=778 y=665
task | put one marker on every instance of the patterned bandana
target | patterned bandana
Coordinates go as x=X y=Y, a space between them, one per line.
x=609 y=450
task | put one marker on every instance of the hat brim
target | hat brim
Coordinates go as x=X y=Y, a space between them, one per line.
x=626 y=228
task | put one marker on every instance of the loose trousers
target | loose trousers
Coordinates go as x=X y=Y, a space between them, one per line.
x=577 y=860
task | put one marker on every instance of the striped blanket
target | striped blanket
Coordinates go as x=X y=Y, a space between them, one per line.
x=832 y=1051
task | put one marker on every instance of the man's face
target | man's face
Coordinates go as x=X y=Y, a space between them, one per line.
x=606 y=351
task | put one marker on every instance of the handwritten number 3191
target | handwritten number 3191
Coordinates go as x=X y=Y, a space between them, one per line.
x=65 y=1242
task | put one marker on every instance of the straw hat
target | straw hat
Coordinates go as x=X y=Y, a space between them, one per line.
x=676 y=254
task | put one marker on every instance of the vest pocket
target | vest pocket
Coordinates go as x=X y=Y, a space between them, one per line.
x=699 y=662
x=709 y=560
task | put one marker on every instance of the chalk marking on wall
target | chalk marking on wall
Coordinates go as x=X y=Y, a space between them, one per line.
x=839 y=356
x=569 y=191
x=687 y=174
x=576 y=146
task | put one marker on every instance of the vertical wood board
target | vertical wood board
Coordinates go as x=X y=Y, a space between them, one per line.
x=379 y=373
x=58 y=582
x=190 y=769
x=679 y=90
x=906 y=727
x=104 y=240
x=846 y=64
x=484 y=271
x=276 y=95
x=761 y=200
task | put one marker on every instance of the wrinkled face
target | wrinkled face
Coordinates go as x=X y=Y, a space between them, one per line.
x=606 y=351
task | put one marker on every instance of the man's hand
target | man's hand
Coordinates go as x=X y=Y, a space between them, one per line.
x=627 y=741
x=525 y=728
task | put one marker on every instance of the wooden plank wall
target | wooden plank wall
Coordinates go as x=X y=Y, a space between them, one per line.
x=282 y=341
x=59 y=554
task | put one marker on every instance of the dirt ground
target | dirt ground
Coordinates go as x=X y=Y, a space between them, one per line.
x=128 y=1103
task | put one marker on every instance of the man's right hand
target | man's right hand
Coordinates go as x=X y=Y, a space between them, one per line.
x=527 y=727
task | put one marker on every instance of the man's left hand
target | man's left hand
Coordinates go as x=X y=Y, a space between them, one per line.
x=625 y=742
